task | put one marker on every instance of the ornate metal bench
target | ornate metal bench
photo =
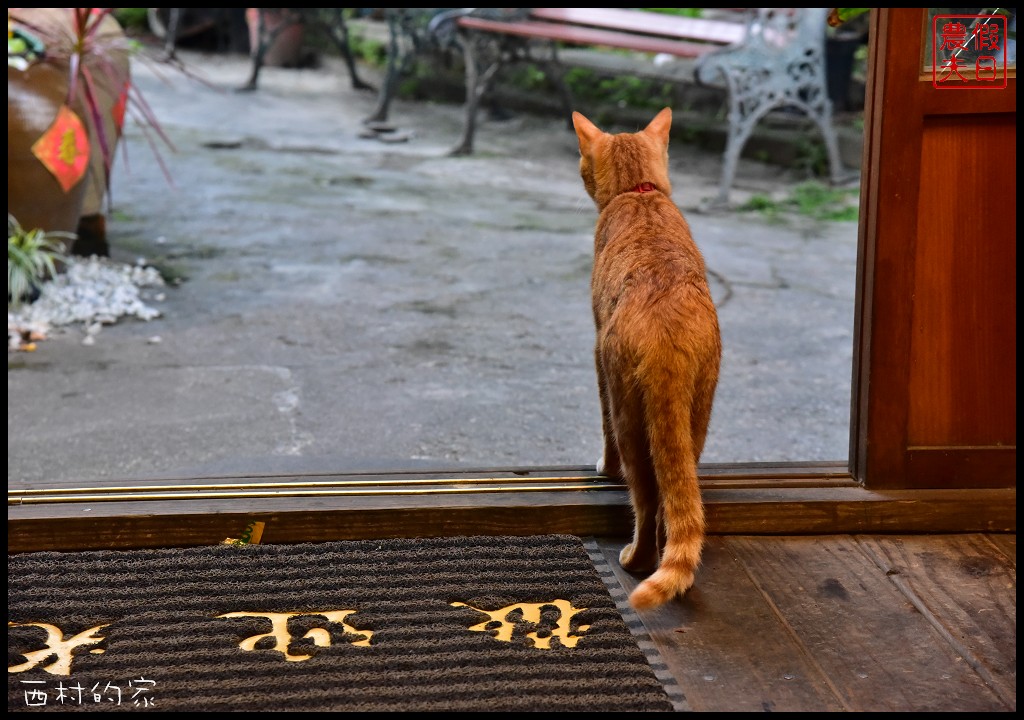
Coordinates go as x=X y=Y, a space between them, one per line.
x=779 y=63
x=767 y=59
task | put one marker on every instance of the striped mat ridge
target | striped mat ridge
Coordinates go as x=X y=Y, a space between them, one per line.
x=457 y=624
x=637 y=627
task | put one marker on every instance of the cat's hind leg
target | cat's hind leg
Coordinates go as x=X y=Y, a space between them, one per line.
x=627 y=420
x=609 y=465
x=642 y=554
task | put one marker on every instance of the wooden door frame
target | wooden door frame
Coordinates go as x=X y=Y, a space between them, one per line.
x=869 y=493
x=884 y=453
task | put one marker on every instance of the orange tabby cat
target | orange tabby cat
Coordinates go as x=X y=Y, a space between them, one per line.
x=658 y=350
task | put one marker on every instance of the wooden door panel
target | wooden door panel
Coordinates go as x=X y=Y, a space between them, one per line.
x=963 y=345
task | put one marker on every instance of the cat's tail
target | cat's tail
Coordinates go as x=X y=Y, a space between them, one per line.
x=682 y=522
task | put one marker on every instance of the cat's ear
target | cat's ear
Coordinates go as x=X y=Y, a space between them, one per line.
x=661 y=125
x=586 y=131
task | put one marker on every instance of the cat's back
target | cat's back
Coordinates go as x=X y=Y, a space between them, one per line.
x=644 y=237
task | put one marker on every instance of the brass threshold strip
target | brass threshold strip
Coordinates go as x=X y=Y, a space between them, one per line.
x=304 y=484
x=232 y=491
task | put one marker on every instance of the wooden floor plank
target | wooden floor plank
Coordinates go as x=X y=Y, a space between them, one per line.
x=967 y=588
x=725 y=646
x=879 y=652
x=1006 y=543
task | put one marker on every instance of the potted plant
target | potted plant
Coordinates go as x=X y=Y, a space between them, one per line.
x=68 y=90
x=846 y=33
x=33 y=256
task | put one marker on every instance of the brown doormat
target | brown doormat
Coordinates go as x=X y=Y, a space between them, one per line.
x=456 y=624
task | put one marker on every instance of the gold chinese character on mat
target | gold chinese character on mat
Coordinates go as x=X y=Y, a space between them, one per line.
x=282 y=638
x=503 y=622
x=58 y=647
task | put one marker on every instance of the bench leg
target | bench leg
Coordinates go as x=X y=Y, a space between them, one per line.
x=477 y=84
x=387 y=89
x=266 y=38
x=742 y=127
x=835 y=161
x=554 y=70
x=739 y=133
x=258 y=53
x=171 y=41
x=338 y=30
x=399 y=63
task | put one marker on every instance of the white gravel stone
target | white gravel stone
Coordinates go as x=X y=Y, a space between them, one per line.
x=93 y=291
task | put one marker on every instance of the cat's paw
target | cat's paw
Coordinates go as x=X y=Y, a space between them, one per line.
x=637 y=562
x=608 y=469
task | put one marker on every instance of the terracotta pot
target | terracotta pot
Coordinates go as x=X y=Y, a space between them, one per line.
x=286 y=49
x=34 y=97
x=34 y=196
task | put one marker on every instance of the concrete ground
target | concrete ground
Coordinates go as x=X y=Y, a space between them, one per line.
x=346 y=303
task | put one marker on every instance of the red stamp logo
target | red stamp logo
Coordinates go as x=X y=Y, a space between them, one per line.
x=969 y=52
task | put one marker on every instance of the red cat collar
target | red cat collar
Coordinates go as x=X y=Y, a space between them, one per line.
x=644 y=187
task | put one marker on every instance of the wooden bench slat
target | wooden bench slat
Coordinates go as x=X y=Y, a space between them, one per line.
x=659 y=24
x=577 y=35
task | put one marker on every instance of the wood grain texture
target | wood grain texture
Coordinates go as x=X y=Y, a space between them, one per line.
x=888 y=239
x=879 y=651
x=892 y=623
x=1007 y=545
x=727 y=647
x=967 y=593
x=963 y=351
x=87 y=525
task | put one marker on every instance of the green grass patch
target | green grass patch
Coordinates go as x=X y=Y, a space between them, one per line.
x=810 y=199
x=682 y=12
x=590 y=88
